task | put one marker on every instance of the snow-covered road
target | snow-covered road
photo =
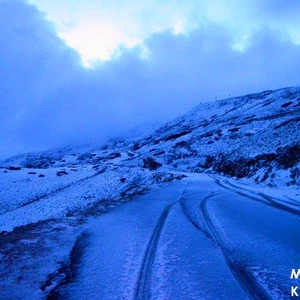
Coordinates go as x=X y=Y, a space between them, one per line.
x=199 y=238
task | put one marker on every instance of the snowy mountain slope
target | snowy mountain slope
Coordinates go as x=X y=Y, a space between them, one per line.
x=253 y=136
x=246 y=126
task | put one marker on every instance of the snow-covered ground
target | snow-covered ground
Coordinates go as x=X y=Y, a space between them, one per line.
x=193 y=239
x=202 y=237
x=28 y=198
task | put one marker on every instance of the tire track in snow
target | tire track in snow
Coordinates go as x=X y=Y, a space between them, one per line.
x=143 y=286
x=244 y=276
x=144 y=277
x=259 y=197
x=193 y=221
x=268 y=198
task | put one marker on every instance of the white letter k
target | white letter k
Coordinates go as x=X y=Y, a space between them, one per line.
x=294 y=289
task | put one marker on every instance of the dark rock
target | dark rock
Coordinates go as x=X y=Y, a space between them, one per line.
x=123 y=179
x=31 y=173
x=219 y=132
x=206 y=135
x=161 y=177
x=136 y=146
x=11 y=168
x=176 y=135
x=208 y=162
x=113 y=155
x=267 y=103
x=286 y=104
x=265 y=177
x=61 y=173
x=234 y=129
x=183 y=144
x=41 y=175
x=151 y=164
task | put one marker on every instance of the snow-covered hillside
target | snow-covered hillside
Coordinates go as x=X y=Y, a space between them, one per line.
x=255 y=136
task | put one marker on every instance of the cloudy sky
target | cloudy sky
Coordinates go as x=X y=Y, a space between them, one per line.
x=77 y=71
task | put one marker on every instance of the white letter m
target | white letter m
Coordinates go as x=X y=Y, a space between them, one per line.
x=294 y=274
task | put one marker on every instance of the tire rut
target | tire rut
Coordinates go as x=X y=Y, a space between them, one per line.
x=264 y=199
x=145 y=273
x=144 y=277
x=193 y=221
x=243 y=275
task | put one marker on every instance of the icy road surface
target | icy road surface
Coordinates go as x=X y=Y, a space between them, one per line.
x=201 y=238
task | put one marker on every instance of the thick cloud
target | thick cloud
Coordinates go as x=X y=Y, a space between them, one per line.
x=33 y=61
x=48 y=99
x=96 y=28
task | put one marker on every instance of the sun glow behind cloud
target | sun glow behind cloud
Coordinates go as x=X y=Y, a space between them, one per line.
x=97 y=30
x=98 y=41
